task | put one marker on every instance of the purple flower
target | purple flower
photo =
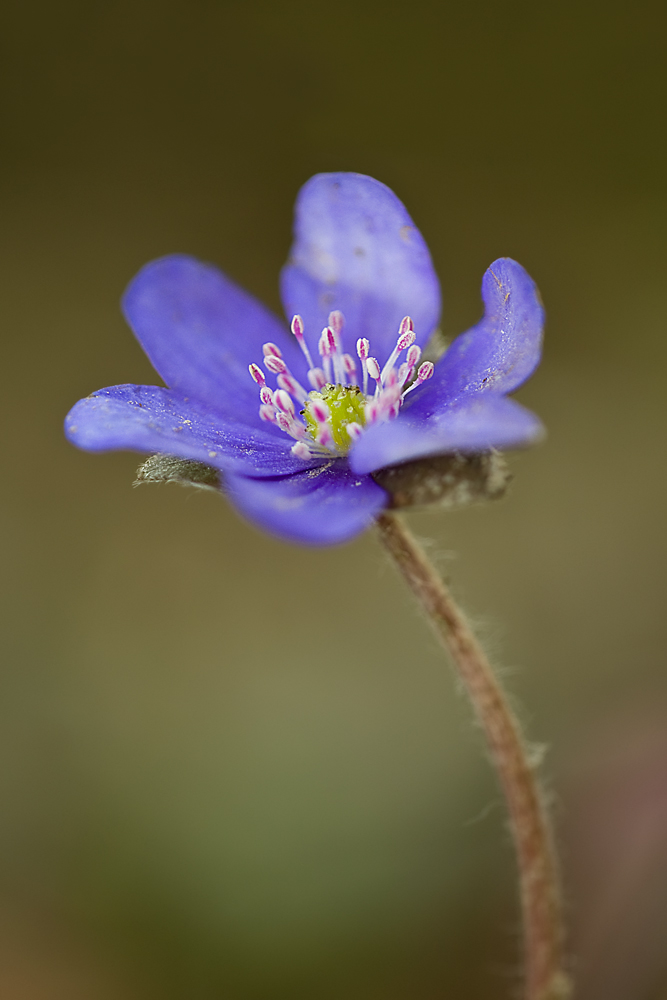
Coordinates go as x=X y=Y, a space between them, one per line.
x=345 y=394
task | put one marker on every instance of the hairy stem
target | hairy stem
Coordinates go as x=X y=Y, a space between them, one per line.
x=545 y=978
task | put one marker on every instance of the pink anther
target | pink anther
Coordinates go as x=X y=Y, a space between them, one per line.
x=301 y=450
x=267 y=413
x=331 y=338
x=371 y=411
x=336 y=321
x=283 y=422
x=316 y=378
x=349 y=364
x=298 y=331
x=283 y=401
x=405 y=340
x=290 y=384
x=403 y=373
x=271 y=349
x=266 y=395
x=257 y=374
x=406 y=337
x=425 y=372
x=320 y=411
x=322 y=346
x=373 y=368
x=275 y=364
x=297 y=327
x=413 y=355
x=354 y=430
x=388 y=398
x=363 y=347
x=324 y=435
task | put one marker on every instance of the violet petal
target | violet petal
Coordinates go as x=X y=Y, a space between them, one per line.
x=501 y=351
x=356 y=249
x=475 y=423
x=201 y=331
x=322 y=506
x=151 y=419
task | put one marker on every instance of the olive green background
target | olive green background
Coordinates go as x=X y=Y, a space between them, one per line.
x=230 y=768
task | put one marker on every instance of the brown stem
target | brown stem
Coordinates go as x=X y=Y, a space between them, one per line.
x=538 y=875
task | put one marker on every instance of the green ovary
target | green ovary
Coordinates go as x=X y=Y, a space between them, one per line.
x=346 y=405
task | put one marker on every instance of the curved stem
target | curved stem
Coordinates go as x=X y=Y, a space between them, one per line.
x=538 y=873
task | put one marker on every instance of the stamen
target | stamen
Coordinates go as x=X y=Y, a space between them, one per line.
x=363 y=347
x=337 y=411
x=373 y=367
x=320 y=411
x=293 y=427
x=332 y=339
x=388 y=399
x=290 y=384
x=297 y=330
x=406 y=337
x=349 y=365
x=272 y=349
x=278 y=367
x=334 y=352
x=283 y=401
x=324 y=437
x=336 y=321
x=326 y=347
x=413 y=355
x=275 y=364
x=425 y=372
x=316 y=378
x=301 y=450
x=371 y=411
x=403 y=373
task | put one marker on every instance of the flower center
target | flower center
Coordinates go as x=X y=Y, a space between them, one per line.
x=344 y=410
x=337 y=409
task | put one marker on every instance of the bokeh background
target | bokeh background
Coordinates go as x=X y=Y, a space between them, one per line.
x=234 y=769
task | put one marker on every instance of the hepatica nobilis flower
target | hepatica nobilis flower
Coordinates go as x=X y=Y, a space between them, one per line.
x=298 y=417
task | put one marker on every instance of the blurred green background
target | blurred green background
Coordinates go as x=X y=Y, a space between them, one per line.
x=234 y=769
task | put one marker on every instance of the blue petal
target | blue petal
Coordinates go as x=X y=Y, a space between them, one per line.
x=201 y=331
x=501 y=351
x=475 y=423
x=150 y=419
x=356 y=249
x=322 y=506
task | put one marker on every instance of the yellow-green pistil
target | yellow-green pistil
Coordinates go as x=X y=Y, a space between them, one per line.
x=346 y=405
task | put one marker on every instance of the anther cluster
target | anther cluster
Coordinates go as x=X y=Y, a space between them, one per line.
x=338 y=406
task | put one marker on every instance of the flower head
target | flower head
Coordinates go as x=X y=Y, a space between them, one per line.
x=298 y=420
